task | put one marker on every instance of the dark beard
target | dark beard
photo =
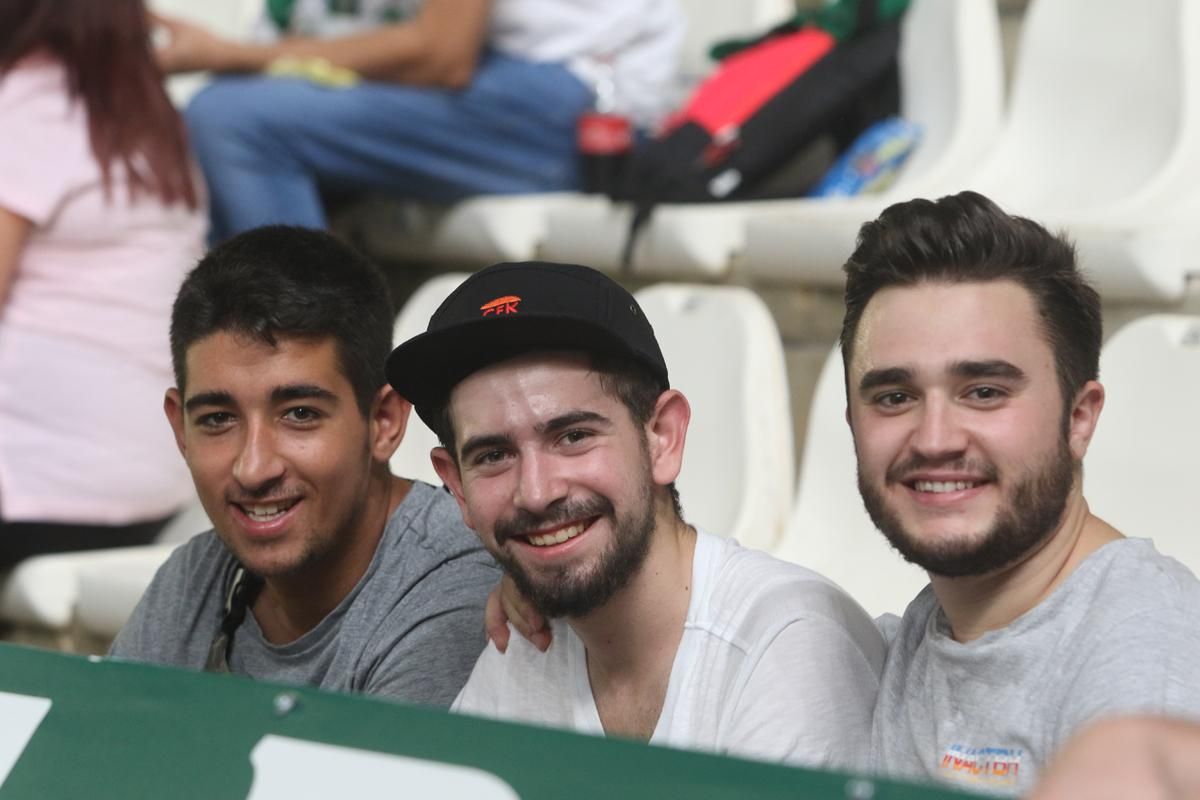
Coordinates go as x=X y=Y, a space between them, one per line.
x=565 y=593
x=1036 y=509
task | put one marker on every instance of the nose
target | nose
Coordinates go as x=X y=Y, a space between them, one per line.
x=940 y=434
x=258 y=464
x=540 y=482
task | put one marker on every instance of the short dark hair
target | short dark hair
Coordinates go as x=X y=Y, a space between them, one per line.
x=622 y=377
x=282 y=281
x=966 y=238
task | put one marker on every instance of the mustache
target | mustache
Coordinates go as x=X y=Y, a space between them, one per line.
x=524 y=522
x=915 y=463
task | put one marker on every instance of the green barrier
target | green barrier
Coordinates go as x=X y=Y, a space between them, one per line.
x=72 y=727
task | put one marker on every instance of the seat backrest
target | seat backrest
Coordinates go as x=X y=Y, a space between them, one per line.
x=829 y=530
x=724 y=353
x=411 y=459
x=1142 y=470
x=1096 y=105
x=709 y=22
x=952 y=85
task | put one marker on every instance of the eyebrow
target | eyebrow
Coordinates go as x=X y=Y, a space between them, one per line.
x=874 y=378
x=302 y=391
x=498 y=440
x=280 y=394
x=570 y=419
x=994 y=368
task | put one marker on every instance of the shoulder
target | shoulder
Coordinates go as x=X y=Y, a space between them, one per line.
x=35 y=80
x=522 y=682
x=429 y=520
x=754 y=597
x=426 y=534
x=1129 y=577
x=185 y=591
x=197 y=562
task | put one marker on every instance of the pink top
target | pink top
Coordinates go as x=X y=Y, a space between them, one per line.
x=84 y=356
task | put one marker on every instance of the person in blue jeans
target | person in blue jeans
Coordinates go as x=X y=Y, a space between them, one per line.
x=430 y=101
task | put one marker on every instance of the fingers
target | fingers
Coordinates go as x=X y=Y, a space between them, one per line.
x=522 y=615
x=495 y=623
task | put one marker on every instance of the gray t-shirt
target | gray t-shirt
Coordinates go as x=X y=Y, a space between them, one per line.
x=410 y=629
x=1121 y=634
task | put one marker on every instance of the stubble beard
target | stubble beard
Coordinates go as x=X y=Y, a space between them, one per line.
x=1019 y=528
x=576 y=590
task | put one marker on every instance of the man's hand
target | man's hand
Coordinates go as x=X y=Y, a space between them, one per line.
x=505 y=605
x=188 y=47
x=1136 y=757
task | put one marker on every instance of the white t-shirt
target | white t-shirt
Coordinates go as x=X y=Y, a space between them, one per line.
x=775 y=663
x=633 y=45
x=84 y=356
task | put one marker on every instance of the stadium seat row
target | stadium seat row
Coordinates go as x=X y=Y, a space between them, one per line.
x=724 y=353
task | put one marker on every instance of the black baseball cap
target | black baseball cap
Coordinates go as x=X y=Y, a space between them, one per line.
x=516 y=307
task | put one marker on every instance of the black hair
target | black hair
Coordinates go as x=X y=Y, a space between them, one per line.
x=281 y=281
x=967 y=238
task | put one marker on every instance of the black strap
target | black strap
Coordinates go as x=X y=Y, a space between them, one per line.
x=240 y=594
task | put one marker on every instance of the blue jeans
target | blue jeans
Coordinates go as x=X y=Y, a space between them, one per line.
x=267 y=144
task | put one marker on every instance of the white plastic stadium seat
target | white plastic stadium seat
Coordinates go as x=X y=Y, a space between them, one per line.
x=724 y=353
x=1140 y=473
x=951 y=84
x=46 y=592
x=830 y=531
x=411 y=459
x=594 y=232
x=485 y=229
x=952 y=80
x=1103 y=138
x=43 y=591
x=110 y=586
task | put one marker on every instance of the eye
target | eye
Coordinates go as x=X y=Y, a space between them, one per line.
x=214 y=421
x=488 y=457
x=892 y=400
x=302 y=414
x=986 y=394
x=575 y=436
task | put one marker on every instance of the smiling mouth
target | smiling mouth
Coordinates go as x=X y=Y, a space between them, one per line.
x=265 y=512
x=942 y=487
x=557 y=536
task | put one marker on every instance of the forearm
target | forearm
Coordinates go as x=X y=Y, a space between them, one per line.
x=440 y=47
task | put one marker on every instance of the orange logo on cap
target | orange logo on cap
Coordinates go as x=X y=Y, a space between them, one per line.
x=501 y=305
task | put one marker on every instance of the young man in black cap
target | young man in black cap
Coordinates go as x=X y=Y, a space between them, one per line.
x=562 y=440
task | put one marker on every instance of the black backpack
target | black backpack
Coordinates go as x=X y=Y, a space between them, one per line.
x=774 y=114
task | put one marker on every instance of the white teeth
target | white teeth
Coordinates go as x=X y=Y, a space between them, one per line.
x=265 y=513
x=557 y=537
x=938 y=487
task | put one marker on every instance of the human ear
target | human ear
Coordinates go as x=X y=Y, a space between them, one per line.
x=666 y=433
x=389 y=420
x=173 y=407
x=447 y=469
x=1084 y=414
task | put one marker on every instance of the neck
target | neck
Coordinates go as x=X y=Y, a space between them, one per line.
x=634 y=636
x=291 y=605
x=978 y=604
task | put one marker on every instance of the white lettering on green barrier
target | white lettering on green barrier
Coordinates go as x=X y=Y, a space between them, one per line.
x=21 y=715
x=294 y=769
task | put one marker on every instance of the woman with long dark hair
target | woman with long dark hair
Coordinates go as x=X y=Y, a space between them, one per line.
x=99 y=220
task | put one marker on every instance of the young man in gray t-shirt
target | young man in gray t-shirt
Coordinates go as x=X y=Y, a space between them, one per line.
x=323 y=568
x=971 y=346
